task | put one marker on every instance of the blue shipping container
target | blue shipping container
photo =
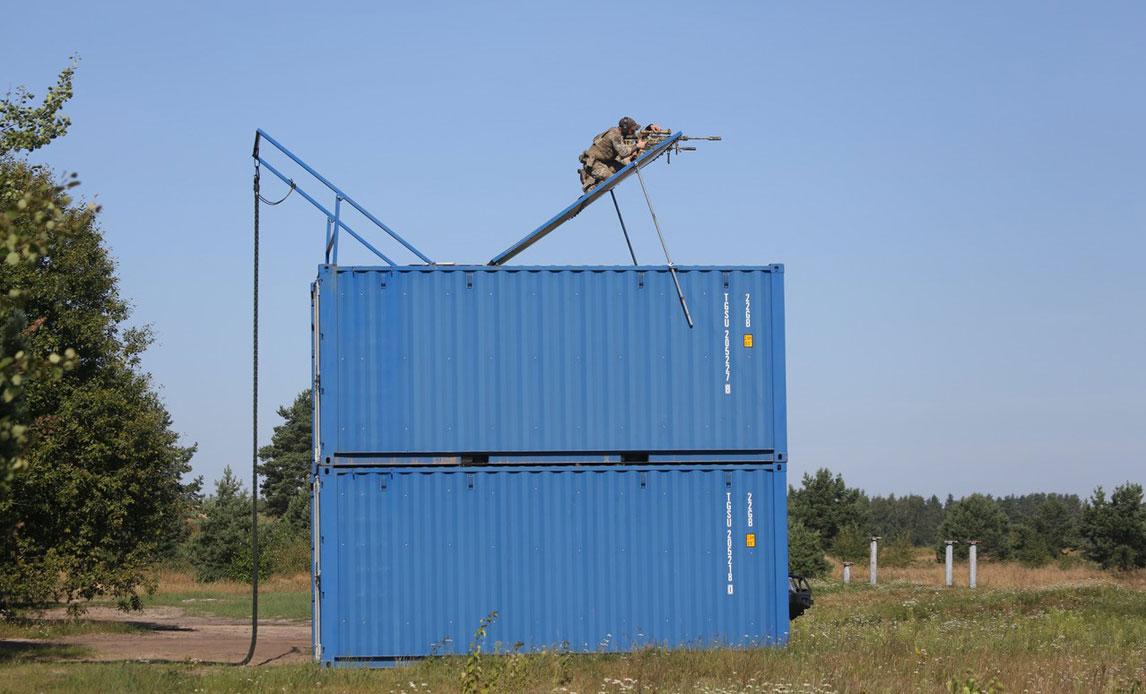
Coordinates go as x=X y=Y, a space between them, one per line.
x=555 y=444
x=591 y=558
x=446 y=361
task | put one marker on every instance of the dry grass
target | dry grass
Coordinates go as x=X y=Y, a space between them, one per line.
x=178 y=582
x=1033 y=630
x=925 y=571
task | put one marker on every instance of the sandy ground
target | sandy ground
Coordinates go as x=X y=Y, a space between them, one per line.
x=172 y=635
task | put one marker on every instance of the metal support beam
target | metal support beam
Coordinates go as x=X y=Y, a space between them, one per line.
x=623 y=229
x=672 y=268
x=328 y=213
x=586 y=200
x=259 y=134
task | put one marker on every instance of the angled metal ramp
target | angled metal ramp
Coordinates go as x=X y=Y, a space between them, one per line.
x=586 y=200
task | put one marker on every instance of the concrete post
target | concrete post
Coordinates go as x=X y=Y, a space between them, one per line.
x=950 y=574
x=847 y=572
x=874 y=550
x=974 y=562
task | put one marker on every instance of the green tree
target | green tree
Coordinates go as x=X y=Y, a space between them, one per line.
x=25 y=127
x=222 y=547
x=34 y=213
x=805 y=551
x=975 y=517
x=825 y=504
x=287 y=460
x=103 y=466
x=851 y=544
x=910 y=515
x=897 y=551
x=1029 y=546
x=1115 y=530
x=1056 y=521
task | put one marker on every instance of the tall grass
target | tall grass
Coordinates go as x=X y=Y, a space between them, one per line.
x=1030 y=630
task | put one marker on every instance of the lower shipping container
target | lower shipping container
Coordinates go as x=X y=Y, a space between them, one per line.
x=409 y=560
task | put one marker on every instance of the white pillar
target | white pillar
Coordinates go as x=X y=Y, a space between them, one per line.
x=974 y=562
x=847 y=572
x=950 y=574
x=874 y=550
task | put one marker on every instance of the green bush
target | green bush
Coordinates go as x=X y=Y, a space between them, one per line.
x=899 y=553
x=851 y=544
x=222 y=546
x=805 y=553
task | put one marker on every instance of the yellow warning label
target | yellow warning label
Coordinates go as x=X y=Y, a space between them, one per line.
x=748 y=340
x=750 y=539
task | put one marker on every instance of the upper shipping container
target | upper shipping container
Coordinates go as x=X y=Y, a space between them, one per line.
x=577 y=361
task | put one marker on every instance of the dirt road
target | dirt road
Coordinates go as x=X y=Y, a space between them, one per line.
x=169 y=634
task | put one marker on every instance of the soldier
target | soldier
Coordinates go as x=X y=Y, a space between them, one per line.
x=609 y=153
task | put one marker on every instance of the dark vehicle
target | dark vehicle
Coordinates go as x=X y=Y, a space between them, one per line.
x=799 y=596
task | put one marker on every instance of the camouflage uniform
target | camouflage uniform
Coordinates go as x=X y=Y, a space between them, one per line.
x=606 y=156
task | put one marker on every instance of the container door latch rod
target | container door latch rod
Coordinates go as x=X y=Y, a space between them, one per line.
x=672 y=268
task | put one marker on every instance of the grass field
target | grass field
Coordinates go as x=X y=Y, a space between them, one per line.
x=1023 y=630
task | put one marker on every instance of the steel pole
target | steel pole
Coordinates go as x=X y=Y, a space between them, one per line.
x=623 y=229
x=672 y=268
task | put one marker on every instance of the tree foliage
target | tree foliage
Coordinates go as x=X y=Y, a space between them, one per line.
x=34 y=216
x=910 y=515
x=222 y=547
x=975 y=517
x=287 y=460
x=1115 y=530
x=102 y=466
x=851 y=544
x=25 y=127
x=805 y=551
x=825 y=504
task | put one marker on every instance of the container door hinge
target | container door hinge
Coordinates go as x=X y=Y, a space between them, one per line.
x=728 y=479
x=644 y=479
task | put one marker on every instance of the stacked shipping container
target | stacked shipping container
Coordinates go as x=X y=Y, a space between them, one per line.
x=551 y=443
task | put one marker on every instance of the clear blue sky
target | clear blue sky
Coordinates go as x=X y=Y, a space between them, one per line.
x=956 y=189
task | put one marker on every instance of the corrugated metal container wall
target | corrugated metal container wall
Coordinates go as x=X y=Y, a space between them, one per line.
x=595 y=557
x=460 y=418
x=433 y=360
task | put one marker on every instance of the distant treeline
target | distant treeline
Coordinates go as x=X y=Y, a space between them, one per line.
x=827 y=516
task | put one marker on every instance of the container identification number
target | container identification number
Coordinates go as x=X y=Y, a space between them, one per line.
x=728 y=525
x=727 y=350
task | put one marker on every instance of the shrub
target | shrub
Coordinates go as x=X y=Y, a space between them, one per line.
x=805 y=553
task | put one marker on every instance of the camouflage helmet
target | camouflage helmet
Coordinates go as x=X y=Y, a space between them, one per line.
x=629 y=124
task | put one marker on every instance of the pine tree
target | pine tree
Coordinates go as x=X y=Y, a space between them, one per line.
x=827 y=505
x=974 y=517
x=1115 y=530
x=287 y=460
x=222 y=547
x=805 y=551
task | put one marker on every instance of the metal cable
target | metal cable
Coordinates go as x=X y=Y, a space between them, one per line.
x=280 y=200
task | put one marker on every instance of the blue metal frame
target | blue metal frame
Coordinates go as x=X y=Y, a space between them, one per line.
x=334 y=221
x=585 y=200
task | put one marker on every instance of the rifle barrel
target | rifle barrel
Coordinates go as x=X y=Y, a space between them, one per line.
x=659 y=137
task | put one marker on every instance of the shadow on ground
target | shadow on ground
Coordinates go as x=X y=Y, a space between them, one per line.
x=12 y=652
